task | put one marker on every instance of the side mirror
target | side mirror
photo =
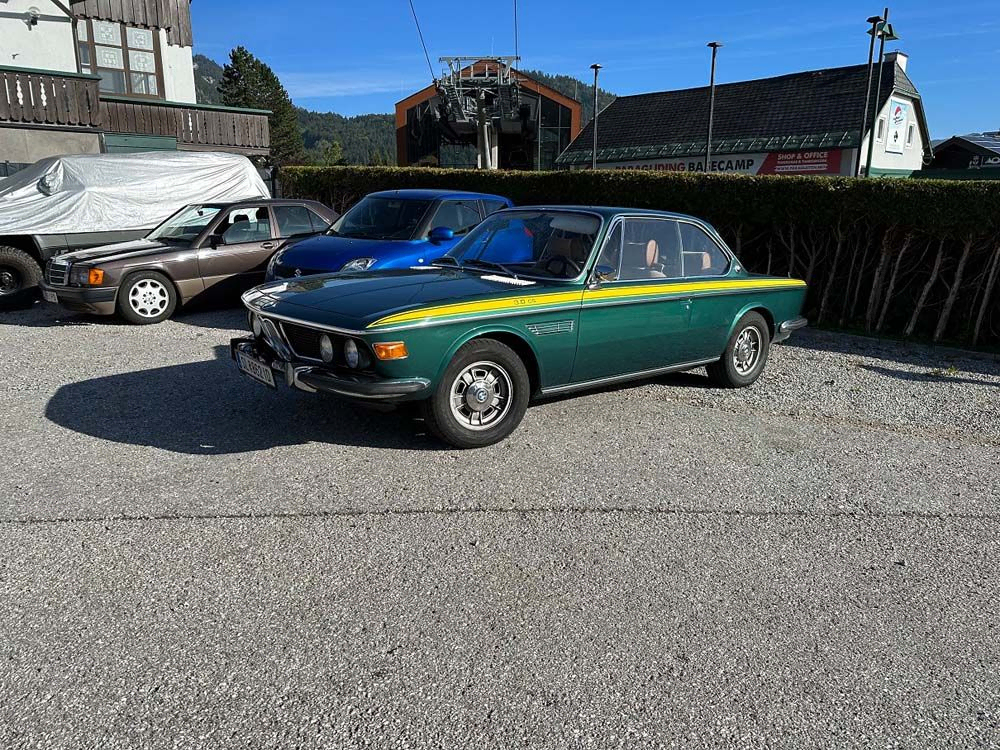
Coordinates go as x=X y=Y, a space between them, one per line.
x=441 y=234
x=215 y=240
x=604 y=273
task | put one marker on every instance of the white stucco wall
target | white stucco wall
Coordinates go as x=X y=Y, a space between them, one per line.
x=912 y=157
x=178 y=72
x=47 y=46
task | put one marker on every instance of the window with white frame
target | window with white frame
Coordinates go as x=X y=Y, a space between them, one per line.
x=910 y=131
x=880 y=130
x=125 y=57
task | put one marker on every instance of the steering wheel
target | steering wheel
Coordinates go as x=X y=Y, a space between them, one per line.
x=564 y=263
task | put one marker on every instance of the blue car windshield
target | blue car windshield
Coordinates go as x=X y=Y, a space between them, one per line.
x=381 y=218
x=540 y=244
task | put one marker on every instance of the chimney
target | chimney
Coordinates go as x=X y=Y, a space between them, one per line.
x=900 y=58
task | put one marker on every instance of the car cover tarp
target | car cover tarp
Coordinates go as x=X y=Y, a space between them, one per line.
x=112 y=192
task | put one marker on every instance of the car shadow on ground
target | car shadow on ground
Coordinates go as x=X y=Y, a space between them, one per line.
x=901 y=352
x=208 y=408
x=934 y=376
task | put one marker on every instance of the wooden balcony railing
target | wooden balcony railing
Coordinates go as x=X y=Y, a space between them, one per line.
x=70 y=101
x=38 y=97
x=195 y=126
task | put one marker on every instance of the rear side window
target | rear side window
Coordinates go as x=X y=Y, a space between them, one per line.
x=293 y=220
x=701 y=254
x=458 y=216
x=492 y=206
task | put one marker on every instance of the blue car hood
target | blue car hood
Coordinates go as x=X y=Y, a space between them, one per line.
x=327 y=253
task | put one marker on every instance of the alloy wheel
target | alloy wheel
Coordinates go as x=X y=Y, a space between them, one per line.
x=481 y=395
x=148 y=298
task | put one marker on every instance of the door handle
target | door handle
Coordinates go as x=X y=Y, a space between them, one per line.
x=268 y=246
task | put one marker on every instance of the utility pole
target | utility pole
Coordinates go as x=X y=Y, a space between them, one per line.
x=593 y=160
x=874 y=21
x=711 y=107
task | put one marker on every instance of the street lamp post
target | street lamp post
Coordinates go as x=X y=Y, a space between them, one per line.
x=886 y=34
x=874 y=21
x=711 y=107
x=593 y=159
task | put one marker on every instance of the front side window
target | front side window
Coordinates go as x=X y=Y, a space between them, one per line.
x=126 y=58
x=540 y=244
x=244 y=225
x=702 y=255
x=186 y=224
x=458 y=216
x=381 y=218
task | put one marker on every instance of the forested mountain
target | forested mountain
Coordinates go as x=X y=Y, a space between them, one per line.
x=371 y=139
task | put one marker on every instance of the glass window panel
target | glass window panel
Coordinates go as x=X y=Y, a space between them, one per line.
x=651 y=249
x=84 y=54
x=82 y=32
x=106 y=32
x=293 y=220
x=144 y=83
x=110 y=57
x=702 y=256
x=139 y=38
x=144 y=61
x=112 y=81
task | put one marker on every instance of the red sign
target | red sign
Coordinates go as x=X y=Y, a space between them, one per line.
x=802 y=162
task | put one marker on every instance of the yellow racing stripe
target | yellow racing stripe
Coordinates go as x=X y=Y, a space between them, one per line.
x=533 y=301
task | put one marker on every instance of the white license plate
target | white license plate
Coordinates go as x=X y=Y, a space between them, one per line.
x=255 y=369
x=50 y=297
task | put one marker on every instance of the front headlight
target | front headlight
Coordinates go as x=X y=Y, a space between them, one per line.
x=326 y=348
x=85 y=276
x=358 y=264
x=253 y=319
x=351 y=354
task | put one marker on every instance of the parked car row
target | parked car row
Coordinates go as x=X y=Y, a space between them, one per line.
x=459 y=302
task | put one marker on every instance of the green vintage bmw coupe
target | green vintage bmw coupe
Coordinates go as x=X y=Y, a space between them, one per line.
x=532 y=302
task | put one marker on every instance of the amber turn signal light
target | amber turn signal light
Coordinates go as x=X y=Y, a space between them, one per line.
x=95 y=277
x=391 y=350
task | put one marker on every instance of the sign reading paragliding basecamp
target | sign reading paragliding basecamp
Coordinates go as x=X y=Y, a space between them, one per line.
x=899 y=118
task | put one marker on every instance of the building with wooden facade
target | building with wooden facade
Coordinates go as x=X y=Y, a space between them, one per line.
x=91 y=76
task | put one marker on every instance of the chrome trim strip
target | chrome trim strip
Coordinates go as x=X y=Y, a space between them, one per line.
x=628 y=376
x=304 y=324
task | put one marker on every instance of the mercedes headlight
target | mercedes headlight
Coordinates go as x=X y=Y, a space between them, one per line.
x=358 y=264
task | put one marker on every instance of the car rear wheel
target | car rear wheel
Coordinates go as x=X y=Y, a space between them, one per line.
x=19 y=275
x=745 y=355
x=482 y=396
x=147 y=297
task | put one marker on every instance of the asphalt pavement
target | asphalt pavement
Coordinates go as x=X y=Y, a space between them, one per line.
x=189 y=560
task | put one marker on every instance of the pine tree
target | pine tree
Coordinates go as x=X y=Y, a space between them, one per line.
x=247 y=82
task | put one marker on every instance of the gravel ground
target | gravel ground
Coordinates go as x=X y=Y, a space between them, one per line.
x=189 y=560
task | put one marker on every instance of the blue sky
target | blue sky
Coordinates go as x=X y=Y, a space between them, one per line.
x=359 y=57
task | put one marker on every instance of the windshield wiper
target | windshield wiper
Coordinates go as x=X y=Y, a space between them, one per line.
x=445 y=260
x=490 y=264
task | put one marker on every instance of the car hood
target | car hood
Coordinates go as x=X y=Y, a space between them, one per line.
x=356 y=300
x=119 y=251
x=327 y=253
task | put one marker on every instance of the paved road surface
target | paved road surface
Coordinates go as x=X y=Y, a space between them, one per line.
x=188 y=560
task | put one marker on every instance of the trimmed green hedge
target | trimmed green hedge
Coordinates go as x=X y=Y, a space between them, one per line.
x=902 y=257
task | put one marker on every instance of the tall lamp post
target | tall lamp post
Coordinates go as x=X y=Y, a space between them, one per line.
x=886 y=34
x=711 y=107
x=874 y=21
x=593 y=159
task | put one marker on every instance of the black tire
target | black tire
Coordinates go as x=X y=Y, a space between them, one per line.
x=728 y=371
x=146 y=297
x=19 y=276
x=499 y=414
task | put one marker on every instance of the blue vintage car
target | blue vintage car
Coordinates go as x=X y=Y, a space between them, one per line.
x=392 y=229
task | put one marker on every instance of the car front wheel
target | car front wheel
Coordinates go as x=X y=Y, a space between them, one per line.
x=745 y=355
x=147 y=297
x=482 y=396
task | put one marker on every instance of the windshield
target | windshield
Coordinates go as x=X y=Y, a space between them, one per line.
x=381 y=218
x=542 y=244
x=186 y=224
